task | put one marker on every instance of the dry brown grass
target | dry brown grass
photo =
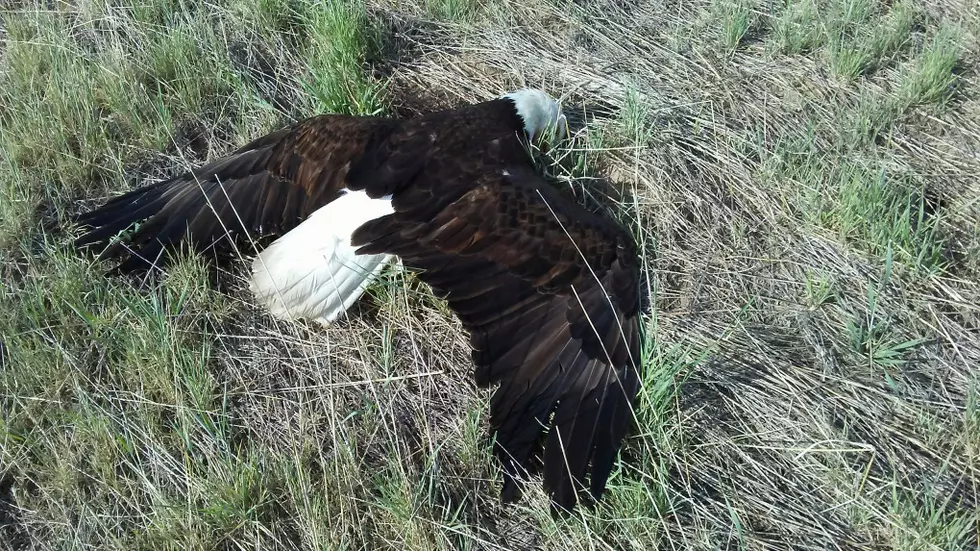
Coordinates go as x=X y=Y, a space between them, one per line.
x=802 y=179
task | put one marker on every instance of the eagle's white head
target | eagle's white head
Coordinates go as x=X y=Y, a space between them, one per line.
x=539 y=112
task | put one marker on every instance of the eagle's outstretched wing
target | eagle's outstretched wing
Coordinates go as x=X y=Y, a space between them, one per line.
x=266 y=187
x=550 y=295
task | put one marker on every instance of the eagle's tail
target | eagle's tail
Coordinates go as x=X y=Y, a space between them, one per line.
x=313 y=272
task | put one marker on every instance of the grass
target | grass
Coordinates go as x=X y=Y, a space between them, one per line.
x=860 y=35
x=452 y=10
x=794 y=31
x=736 y=21
x=801 y=181
x=341 y=37
x=931 y=78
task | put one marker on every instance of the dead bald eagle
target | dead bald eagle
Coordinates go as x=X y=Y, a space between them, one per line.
x=548 y=291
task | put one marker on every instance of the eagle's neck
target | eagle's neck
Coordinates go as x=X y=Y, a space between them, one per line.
x=536 y=109
x=508 y=113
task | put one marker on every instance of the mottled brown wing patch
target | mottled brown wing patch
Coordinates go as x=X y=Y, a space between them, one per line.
x=531 y=230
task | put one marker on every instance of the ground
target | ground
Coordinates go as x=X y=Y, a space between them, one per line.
x=801 y=176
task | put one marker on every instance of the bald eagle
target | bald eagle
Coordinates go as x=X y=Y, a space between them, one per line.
x=548 y=291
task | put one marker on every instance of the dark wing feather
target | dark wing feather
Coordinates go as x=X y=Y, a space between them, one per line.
x=549 y=293
x=265 y=188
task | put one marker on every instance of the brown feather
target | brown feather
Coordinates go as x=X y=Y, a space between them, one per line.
x=266 y=187
x=551 y=349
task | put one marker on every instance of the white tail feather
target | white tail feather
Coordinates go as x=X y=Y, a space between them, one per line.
x=312 y=271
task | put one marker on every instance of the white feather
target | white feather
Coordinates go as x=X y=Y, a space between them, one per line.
x=312 y=271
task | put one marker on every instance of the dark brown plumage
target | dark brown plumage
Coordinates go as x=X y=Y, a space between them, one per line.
x=548 y=291
x=266 y=187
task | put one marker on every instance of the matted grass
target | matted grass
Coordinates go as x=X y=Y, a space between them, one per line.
x=801 y=176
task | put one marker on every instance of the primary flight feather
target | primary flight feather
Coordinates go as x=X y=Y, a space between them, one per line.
x=548 y=291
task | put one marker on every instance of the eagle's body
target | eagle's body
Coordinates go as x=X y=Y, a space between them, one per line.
x=548 y=291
